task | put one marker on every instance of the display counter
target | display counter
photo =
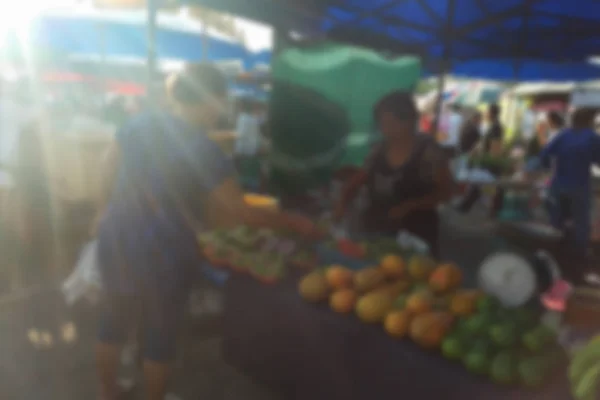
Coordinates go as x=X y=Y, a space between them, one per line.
x=310 y=352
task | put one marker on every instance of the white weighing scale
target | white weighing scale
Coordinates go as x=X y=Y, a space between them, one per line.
x=524 y=269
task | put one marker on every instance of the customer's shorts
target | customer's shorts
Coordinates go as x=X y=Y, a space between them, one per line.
x=155 y=315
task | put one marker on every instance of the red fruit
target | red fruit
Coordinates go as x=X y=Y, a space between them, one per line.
x=351 y=249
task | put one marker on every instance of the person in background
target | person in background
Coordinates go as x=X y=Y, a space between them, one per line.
x=494 y=134
x=165 y=182
x=22 y=179
x=556 y=124
x=407 y=175
x=470 y=133
x=452 y=137
x=248 y=130
x=597 y=123
x=528 y=125
x=538 y=139
x=571 y=154
x=491 y=145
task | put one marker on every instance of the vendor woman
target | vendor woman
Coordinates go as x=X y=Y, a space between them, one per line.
x=407 y=175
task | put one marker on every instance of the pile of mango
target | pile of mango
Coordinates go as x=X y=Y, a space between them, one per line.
x=510 y=346
x=423 y=301
x=411 y=298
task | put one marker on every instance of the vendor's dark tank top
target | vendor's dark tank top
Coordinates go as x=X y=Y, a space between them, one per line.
x=388 y=187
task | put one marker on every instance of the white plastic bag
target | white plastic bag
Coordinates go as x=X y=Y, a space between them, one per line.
x=85 y=281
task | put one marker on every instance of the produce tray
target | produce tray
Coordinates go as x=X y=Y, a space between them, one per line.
x=330 y=256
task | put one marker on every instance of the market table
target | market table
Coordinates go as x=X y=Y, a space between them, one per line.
x=309 y=352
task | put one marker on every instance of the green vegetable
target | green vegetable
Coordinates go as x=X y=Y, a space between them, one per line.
x=503 y=368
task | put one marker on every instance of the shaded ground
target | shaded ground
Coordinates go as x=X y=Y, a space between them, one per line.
x=66 y=371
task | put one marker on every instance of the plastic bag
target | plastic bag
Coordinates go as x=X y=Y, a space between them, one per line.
x=411 y=242
x=85 y=281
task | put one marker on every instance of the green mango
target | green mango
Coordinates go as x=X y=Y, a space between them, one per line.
x=524 y=317
x=477 y=362
x=488 y=305
x=538 y=338
x=453 y=348
x=503 y=369
x=462 y=327
x=503 y=335
x=532 y=372
x=477 y=325
x=481 y=345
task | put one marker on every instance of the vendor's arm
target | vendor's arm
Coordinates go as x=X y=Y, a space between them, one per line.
x=443 y=186
x=349 y=192
x=355 y=183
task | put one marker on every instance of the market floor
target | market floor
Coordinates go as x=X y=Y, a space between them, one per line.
x=65 y=371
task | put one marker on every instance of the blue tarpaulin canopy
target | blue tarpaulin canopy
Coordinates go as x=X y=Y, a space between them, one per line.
x=526 y=71
x=449 y=34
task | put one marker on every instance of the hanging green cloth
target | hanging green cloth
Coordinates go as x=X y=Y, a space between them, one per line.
x=321 y=109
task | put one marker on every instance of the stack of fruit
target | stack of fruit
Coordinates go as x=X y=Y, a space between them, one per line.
x=262 y=253
x=423 y=301
x=510 y=346
x=410 y=299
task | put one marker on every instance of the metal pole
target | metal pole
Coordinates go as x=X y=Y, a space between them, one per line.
x=103 y=59
x=204 y=38
x=151 y=39
x=445 y=65
x=440 y=99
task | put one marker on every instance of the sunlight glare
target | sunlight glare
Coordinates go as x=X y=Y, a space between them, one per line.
x=17 y=16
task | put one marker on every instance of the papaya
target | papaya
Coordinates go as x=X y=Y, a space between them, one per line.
x=368 y=279
x=419 y=303
x=445 y=278
x=464 y=302
x=314 y=287
x=420 y=267
x=339 y=277
x=343 y=301
x=397 y=323
x=396 y=288
x=373 y=307
x=393 y=266
x=429 y=330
